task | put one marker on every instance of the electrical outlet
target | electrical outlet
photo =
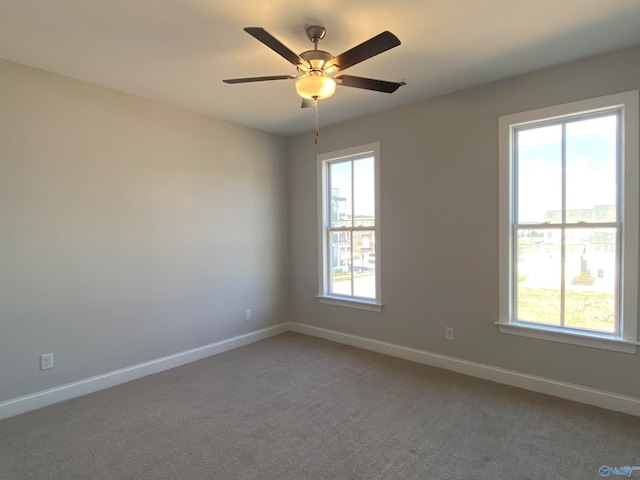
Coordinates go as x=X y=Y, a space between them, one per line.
x=247 y=315
x=46 y=361
x=448 y=333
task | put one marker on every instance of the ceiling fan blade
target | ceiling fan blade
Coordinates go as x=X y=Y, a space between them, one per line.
x=372 y=47
x=276 y=45
x=306 y=103
x=368 y=83
x=259 y=79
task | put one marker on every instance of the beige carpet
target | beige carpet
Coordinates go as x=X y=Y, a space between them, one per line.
x=296 y=407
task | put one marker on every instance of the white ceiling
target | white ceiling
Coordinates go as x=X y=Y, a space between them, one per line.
x=178 y=51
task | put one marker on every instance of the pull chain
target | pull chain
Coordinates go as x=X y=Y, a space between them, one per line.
x=315 y=101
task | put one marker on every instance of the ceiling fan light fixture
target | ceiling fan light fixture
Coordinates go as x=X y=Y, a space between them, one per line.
x=315 y=87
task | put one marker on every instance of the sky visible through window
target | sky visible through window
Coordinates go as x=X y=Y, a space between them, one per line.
x=591 y=147
x=364 y=200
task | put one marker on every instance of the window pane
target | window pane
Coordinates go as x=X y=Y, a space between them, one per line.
x=364 y=263
x=539 y=174
x=340 y=178
x=341 y=281
x=591 y=169
x=538 y=276
x=590 y=275
x=364 y=196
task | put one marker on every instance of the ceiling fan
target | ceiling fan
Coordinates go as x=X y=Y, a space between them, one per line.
x=316 y=67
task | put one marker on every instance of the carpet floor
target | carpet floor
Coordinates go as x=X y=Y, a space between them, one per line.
x=301 y=408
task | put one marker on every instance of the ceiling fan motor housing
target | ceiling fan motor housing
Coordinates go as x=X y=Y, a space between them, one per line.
x=316 y=58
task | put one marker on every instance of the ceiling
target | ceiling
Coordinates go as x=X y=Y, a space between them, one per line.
x=178 y=51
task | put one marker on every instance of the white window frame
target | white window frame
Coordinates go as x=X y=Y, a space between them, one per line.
x=324 y=221
x=627 y=339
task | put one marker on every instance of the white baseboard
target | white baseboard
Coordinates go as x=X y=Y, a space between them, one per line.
x=24 y=404
x=590 y=396
x=578 y=393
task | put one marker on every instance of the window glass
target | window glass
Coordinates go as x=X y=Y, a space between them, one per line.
x=539 y=173
x=340 y=184
x=591 y=169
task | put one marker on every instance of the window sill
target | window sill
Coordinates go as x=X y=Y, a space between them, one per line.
x=586 y=339
x=358 y=303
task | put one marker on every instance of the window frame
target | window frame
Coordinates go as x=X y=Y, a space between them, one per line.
x=324 y=223
x=627 y=338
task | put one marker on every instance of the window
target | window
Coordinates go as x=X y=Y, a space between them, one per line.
x=569 y=223
x=349 y=228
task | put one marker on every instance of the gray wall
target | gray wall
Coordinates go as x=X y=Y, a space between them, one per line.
x=439 y=220
x=129 y=230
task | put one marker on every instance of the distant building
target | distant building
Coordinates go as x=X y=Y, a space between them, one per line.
x=363 y=255
x=597 y=214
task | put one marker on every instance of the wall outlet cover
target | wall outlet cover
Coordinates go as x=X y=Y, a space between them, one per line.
x=448 y=333
x=46 y=361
